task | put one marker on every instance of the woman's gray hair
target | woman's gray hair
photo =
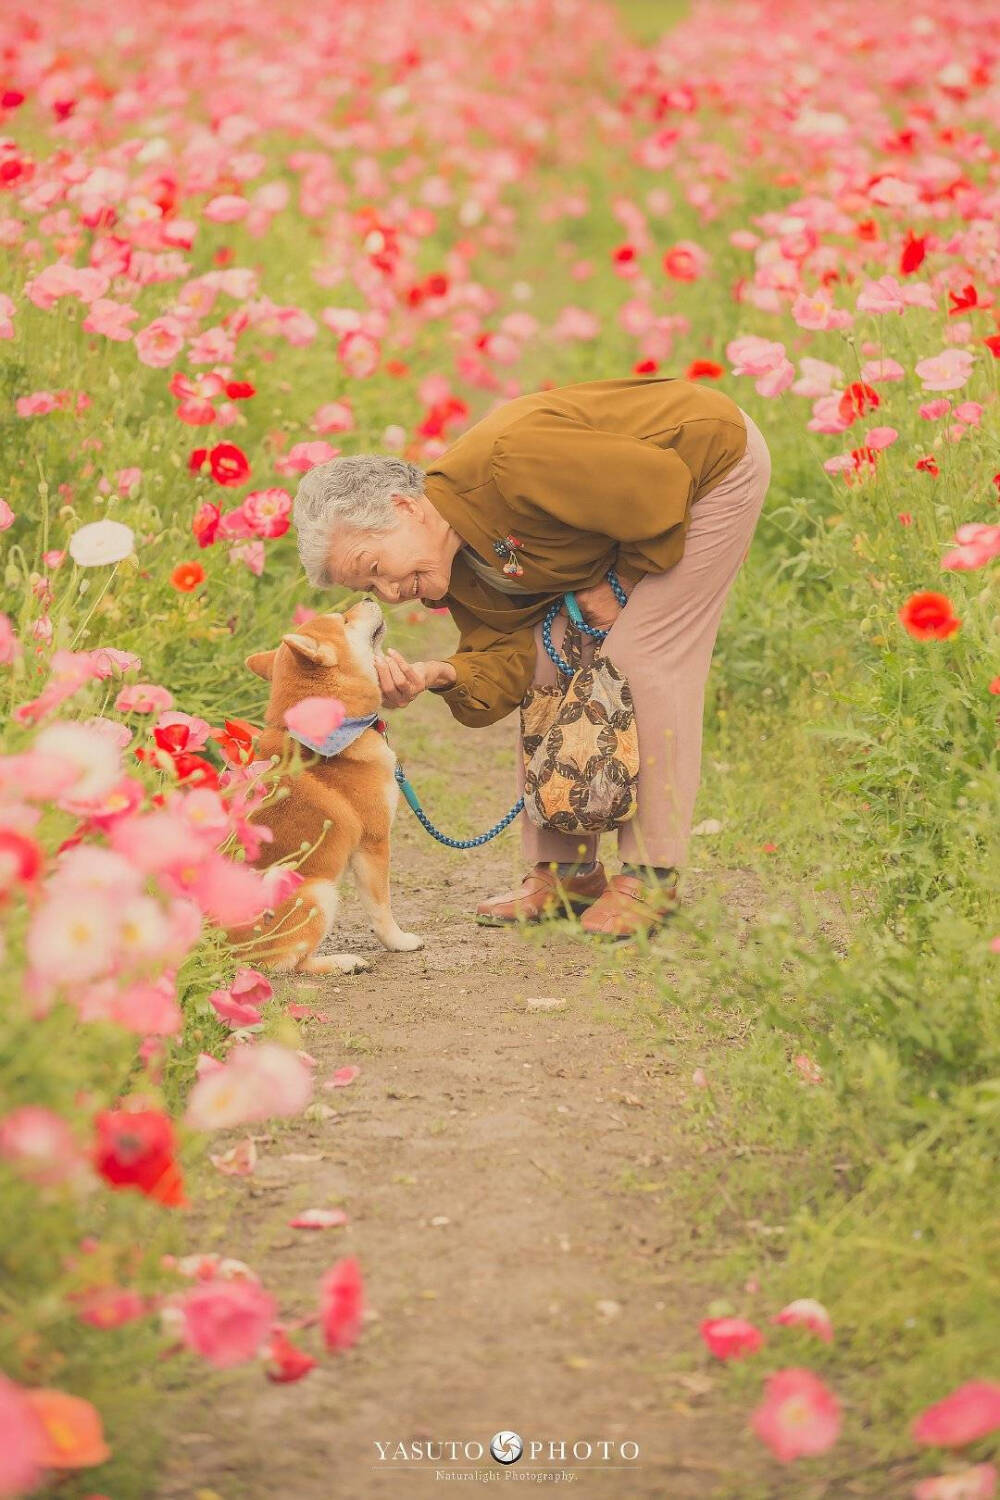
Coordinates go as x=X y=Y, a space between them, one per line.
x=353 y=492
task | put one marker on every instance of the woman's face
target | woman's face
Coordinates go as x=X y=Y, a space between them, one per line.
x=410 y=561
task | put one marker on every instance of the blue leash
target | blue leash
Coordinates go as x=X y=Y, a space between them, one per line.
x=573 y=610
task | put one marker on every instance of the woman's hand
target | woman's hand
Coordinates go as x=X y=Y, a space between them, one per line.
x=599 y=606
x=401 y=681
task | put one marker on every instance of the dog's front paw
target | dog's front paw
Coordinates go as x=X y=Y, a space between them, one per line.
x=334 y=963
x=406 y=942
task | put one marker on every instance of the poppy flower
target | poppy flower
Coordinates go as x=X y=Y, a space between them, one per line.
x=730 y=1338
x=236 y=740
x=286 y=1361
x=187 y=576
x=856 y=400
x=74 y=1437
x=240 y=390
x=226 y=1322
x=135 y=1149
x=704 y=369
x=913 y=253
x=341 y=1300
x=206 y=523
x=799 y=1416
x=229 y=464
x=971 y=1412
x=806 y=1312
x=929 y=617
x=928 y=465
x=20 y=860
x=196 y=770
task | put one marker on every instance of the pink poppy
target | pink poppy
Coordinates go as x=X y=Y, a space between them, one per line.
x=267 y=511
x=971 y=1412
x=798 y=1417
x=23 y=1441
x=40 y=1145
x=227 y=1322
x=256 y=1083
x=806 y=1313
x=341 y=1304
x=160 y=342
x=315 y=717
x=730 y=1338
x=945 y=372
x=235 y=1012
x=251 y=554
x=976 y=1483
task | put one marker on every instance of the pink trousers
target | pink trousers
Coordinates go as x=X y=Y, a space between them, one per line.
x=663 y=642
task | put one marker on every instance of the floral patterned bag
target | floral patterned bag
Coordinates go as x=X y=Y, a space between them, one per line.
x=580 y=746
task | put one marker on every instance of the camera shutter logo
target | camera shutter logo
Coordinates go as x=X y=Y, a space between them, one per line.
x=506 y=1447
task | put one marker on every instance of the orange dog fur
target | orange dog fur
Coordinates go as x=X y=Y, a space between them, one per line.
x=353 y=793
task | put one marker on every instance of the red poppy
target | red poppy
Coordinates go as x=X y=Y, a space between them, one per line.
x=187 y=576
x=993 y=344
x=623 y=254
x=240 y=390
x=135 y=1149
x=645 y=367
x=963 y=300
x=287 y=1361
x=994 y=687
x=856 y=400
x=236 y=740
x=229 y=464
x=929 y=617
x=206 y=523
x=20 y=860
x=172 y=737
x=703 y=369
x=913 y=254
x=341 y=1302
x=196 y=769
x=928 y=465
x=196 y=459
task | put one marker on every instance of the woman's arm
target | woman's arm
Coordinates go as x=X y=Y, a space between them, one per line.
x=482 y=682
x=401 y=681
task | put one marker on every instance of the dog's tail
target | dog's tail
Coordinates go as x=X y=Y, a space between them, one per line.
x=282 y=939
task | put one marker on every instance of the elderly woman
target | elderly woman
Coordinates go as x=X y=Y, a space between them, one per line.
x=660 y=479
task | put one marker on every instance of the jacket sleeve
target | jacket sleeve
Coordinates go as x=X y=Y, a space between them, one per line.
x=494 y=668
x=625 y=488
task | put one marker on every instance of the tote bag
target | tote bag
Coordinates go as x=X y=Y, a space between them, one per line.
x=580 y=742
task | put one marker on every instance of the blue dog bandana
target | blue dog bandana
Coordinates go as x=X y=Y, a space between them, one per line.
x=338 y=739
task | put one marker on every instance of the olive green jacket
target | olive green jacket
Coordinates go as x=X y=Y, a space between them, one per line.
x=583 y=478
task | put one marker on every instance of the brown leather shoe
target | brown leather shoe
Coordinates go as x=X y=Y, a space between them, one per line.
x=542 y=894
x=628 y=907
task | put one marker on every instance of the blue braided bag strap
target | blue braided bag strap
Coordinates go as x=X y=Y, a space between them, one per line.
x=573 y=610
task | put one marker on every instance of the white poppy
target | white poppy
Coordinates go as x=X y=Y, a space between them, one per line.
x=101 y=542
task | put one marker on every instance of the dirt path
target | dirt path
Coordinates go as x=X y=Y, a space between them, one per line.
x=503 y=1158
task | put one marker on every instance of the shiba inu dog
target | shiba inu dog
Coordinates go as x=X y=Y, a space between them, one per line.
x=341 y=804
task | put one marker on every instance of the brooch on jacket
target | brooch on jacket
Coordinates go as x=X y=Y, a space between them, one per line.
x=506 y=550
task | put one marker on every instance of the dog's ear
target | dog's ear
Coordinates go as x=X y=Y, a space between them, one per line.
x=261 y=662
x=320 y=653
